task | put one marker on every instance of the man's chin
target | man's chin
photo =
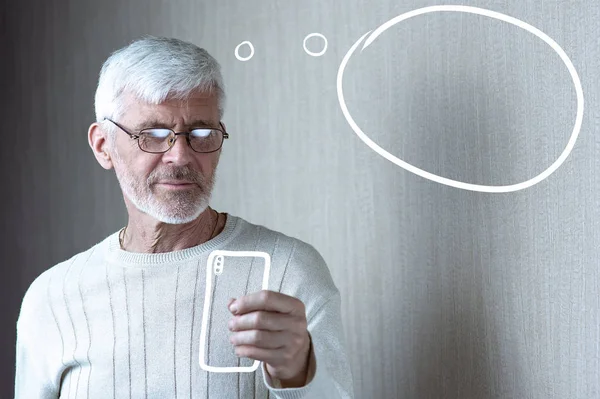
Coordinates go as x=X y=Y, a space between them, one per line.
x=173 y=207
x=177 y=211
x=178 y=217
x=176 y=220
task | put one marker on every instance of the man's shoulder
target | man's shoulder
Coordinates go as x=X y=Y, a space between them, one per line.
x=300 y=250
x=36 y=295
x=62 y=267
x=304 y=265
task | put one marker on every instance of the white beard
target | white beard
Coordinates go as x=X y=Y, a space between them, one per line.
x=175 y=207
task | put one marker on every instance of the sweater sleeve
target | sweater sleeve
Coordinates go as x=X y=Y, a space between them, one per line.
x=329 y=373
x=35 y=347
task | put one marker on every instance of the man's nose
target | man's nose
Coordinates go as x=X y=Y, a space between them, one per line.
x=180 y=153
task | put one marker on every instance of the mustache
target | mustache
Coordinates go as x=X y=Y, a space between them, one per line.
x=180 y=173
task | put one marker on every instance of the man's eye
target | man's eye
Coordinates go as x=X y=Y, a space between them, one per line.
x=156 y=133
x=201 y=133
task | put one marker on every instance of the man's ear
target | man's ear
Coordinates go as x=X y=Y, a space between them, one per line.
x=98 y=141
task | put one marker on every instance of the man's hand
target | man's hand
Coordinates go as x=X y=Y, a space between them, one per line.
x=271 y=327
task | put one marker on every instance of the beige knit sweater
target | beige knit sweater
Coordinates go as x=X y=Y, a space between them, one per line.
x=114 y=324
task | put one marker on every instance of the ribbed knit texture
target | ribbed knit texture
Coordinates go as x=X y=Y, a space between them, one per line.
x=113 y=324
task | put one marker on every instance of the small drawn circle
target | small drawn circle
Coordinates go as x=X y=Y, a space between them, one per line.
x=237 y=51
x=310 y=52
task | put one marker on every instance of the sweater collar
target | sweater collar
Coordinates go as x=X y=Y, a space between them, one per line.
x=124 y=258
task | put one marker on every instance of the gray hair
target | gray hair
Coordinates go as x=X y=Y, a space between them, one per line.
x=154 y=69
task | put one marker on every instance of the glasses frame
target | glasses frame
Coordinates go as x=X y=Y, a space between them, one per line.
x=136 y=137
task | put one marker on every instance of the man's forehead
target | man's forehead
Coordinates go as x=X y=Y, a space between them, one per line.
x=199 y=98
x=198 y=109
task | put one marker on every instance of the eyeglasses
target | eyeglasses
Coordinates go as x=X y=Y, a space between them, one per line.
x=160 y=140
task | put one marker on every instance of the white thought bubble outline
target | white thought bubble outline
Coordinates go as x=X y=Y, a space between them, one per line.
x=440 y=179
x=237 y=51
x=312 y=53
x=320 y=53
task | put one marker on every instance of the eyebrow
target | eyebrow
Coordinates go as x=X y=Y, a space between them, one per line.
x=155 y=123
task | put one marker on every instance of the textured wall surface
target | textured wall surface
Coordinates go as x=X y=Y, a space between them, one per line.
x=447 y=293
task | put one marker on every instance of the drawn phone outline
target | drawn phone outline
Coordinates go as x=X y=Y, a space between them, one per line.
x=216 y=261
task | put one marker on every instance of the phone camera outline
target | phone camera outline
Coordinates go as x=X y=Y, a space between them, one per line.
x=219 y=264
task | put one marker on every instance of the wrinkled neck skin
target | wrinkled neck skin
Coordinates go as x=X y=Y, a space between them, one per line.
x=145 y=234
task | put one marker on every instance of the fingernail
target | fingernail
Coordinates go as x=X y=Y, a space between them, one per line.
x=233 y=308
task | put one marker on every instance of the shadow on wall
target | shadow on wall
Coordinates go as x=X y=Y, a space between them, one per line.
x=456 y=333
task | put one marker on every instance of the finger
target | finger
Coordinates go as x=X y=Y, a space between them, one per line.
x=274 y=357
x=267 y=300
x=230 y=301
x=271 y=321
x=261 y=339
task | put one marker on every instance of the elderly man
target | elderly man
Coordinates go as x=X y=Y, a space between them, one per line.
x=124 y=319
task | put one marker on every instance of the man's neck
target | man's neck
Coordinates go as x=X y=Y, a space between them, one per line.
x=144 y=235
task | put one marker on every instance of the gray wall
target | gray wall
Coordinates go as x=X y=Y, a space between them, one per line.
x=447 y=293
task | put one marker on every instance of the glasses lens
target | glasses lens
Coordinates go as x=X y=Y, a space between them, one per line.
x=156 y=140
x=206 y=140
